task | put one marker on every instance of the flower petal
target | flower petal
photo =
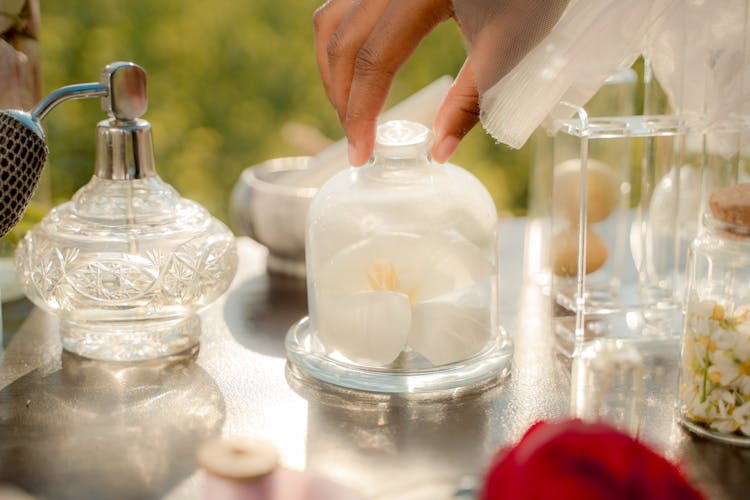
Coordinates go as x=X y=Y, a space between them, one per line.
x=446 y=331
x=426 y=265
x=370 y=328
x=449 y=263
x=347 y=271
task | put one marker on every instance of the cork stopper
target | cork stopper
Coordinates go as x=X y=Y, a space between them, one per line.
x=731 y=205
x=238 y=458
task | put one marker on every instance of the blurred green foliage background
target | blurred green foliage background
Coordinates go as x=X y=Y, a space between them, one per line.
x=225 y=77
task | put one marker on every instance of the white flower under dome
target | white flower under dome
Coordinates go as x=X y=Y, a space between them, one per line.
x=387 y=293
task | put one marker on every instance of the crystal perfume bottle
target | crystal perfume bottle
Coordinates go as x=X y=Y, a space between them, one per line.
x=402 y=274
x=126 y=263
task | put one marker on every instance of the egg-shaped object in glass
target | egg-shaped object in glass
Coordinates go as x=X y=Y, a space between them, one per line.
x=401 y=259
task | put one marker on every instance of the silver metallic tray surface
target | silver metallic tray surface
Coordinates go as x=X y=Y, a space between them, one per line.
x=73 y=428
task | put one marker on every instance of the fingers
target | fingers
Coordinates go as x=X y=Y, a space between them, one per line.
x=344 y=46
x=359 y=46
x=326 y=21
x=392 y=40
x=457 y=115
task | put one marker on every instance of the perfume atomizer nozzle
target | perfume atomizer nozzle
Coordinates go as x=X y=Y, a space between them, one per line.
x=23 y=144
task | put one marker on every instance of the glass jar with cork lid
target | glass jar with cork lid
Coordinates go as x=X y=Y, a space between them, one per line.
x=715 y=376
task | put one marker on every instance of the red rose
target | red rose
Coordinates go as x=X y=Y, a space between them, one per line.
x=578 y=460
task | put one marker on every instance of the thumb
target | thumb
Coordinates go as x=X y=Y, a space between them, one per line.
x=457 y=115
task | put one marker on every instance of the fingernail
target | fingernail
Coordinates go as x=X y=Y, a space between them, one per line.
x=356 y=157
x=445 y=148
x=353 y=155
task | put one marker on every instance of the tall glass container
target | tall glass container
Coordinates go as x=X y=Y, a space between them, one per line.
x=402 y=274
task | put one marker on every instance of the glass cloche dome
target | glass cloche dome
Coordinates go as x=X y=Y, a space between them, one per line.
x=401 y=274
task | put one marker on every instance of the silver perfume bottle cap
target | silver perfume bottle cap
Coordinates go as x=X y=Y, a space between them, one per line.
x=124 y=148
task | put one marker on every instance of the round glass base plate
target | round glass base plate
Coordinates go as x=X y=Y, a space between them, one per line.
x=703 y=431
x=306 y=353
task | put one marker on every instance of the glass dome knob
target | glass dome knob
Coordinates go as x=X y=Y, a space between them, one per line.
x=402 y=139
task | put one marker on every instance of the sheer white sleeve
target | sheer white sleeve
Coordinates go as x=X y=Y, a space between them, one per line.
x=528 y=55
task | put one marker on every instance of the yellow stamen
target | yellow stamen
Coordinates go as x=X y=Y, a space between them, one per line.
x=382 y=276
x=718 y=312
x=742 y=317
